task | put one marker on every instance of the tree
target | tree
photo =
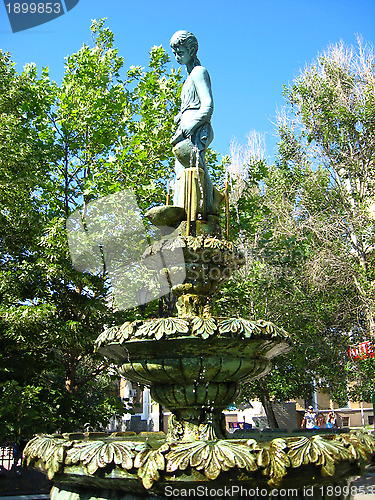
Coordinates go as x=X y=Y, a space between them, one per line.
x=306 y=225
x=94 y=134
x=272 y=285
x=334 y=101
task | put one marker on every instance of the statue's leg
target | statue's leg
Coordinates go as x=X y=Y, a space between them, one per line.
x=190 y=183
x=213 y=197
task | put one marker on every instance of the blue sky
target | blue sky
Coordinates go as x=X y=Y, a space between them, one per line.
x=251 y=48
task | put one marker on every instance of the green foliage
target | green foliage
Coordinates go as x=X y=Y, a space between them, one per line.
x=20 y=406
x=62 y=147
x=306 y=226
x=29 y=408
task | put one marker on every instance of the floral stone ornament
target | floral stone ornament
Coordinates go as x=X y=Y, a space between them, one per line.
x=194 y=363
x=140 y=463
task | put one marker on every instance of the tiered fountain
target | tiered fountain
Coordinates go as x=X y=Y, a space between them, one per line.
x=194 y=364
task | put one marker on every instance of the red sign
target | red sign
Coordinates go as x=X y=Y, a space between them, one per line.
x=364 y=350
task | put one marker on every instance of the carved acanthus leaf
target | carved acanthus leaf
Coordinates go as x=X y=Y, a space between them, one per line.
x=326 y=452
x=270 y=329
x=211 y=456
x=149 y=462
x=99 y=454
x=274 y=460
x=367 y=440
x=204 y=327
x=49 y=450
x=212 y=243
x=107 y=336
x=164 y=326
x=356 y=446
x=124 y=332
x=115 y=334
x=299 y=448
x=238 y=326
x=194 y=242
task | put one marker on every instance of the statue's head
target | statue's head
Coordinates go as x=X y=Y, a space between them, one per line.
x=185 y=39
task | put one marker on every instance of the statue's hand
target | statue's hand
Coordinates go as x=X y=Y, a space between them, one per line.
x=188 y=130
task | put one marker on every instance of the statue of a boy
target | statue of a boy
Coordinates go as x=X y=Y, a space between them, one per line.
x=194 y=132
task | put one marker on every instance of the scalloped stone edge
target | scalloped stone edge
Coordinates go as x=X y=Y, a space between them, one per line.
x=51 y=454
x=161 y=328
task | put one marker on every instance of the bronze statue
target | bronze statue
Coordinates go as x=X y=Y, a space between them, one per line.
x=194 y=190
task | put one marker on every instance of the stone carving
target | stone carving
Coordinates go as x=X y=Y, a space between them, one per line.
x=48 y=449
x=194 y=191
x=195 y=362
x=275 y=459
x=96 y=455
x=149 y=462
x=162 y=327
x=212 y=457
x=323 y=450
x=203 y=327
x=190 y=326
x=209 y=262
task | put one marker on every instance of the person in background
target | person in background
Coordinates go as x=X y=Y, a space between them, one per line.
x=320 y=421
x=331 y=420
x=309 y=419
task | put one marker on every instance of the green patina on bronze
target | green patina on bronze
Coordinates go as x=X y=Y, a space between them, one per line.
x=194 y=363
x=120 y=461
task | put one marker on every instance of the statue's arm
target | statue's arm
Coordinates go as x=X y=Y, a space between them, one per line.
x=202 y=115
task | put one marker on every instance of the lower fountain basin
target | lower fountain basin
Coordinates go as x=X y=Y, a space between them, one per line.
x=114 y=467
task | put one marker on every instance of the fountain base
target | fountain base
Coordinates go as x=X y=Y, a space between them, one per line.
x=126 y=466
x=194 y=364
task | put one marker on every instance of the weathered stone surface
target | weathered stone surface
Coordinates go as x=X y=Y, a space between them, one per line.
x=166 y=215
x=136 y=465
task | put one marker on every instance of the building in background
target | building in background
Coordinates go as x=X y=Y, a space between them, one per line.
x=145 y=414
x=254 y=417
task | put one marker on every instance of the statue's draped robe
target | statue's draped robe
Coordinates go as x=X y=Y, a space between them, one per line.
x=193 y=187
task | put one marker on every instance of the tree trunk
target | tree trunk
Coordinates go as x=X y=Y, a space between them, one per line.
x=71 y=375
x=267 y=404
